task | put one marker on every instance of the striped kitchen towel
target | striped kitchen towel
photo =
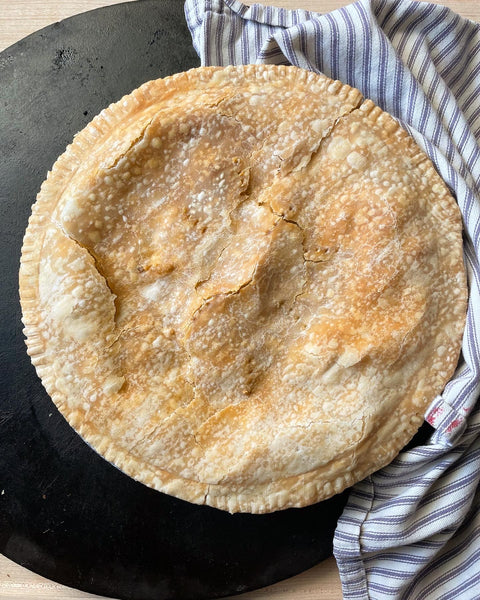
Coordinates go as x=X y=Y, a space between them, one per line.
x=412 y=530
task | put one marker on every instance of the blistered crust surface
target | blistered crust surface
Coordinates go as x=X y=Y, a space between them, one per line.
x=243 y=286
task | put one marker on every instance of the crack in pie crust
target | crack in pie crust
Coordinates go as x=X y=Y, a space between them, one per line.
x=243 y=286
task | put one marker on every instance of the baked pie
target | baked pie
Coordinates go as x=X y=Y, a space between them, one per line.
x=244 y=285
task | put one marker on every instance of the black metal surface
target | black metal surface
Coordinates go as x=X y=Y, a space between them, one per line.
x=64 y=511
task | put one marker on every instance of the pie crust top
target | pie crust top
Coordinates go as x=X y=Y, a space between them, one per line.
x=243 y=286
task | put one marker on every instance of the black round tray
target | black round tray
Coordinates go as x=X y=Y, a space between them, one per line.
x=64 y=511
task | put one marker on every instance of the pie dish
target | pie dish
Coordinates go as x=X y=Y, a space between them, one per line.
x=243 y=286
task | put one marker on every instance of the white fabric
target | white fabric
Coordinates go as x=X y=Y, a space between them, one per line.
x=412 y=530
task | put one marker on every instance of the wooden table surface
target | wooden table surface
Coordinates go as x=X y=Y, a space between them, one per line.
x=19 y=18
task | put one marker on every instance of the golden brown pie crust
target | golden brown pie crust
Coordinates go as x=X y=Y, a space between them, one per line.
x=243 y=286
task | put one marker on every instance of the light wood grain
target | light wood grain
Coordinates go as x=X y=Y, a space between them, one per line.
x=19 y=18
x=16 y=583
